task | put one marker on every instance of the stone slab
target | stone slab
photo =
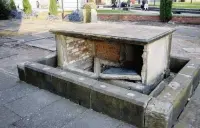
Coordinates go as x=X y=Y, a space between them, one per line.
x=20 y=90
x=91 y=119
x=7 y=117
x=31 y=104
x=5 y=82
x=53 y=116
x=192 y=50
x=6 y=53
x=6 y=40
x=26 y=38
x=46 y=44
x=44 y=35
x=114 y=32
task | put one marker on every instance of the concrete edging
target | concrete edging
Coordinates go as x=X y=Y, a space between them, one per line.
x=133 y=107
x=114 y=101
x=163 y=110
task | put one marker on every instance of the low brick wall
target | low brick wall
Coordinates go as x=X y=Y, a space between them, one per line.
x=126 y=17
x=186 y=19
x=134 y=18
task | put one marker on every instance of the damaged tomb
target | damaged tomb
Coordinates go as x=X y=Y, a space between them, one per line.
x=124 y=71
x=125 y=58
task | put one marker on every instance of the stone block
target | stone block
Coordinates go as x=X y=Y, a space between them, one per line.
x=177 y=93
x=119 y=103
x=79 y=91
x=60 y=86
x=158 y=114
x=21 y=72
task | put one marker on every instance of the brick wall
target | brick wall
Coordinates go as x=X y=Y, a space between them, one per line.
x=126 y=17
x=108 y=51
x=134 y=18
x=186 y=19
x=77 y=49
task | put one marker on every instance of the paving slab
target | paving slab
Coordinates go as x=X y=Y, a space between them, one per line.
x=7 y=81
x=44 y=35
x=7 y=117
x=192 y=50
x=32 y=103
x=20 y=90
x=53 y=116
x=5 y=40
x=6 y=53
x=44 y=44
x=125 y=125
x=24 y=53
x=91 y=119
x=26 y=38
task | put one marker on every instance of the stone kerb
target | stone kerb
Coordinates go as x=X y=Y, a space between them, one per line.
x=114 y=101
x=130 y=106
x=163 y=111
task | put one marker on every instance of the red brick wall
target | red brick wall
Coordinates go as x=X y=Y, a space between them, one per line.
x=133 y=18
x=185 y=19
x=108 y=51
x=126 y=17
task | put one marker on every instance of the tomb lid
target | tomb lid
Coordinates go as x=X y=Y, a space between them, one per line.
x=123 y=33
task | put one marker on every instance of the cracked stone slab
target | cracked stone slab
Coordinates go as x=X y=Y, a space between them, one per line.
x=46 y=44
x=53 y=116
x=32 y=103
x=7 y=117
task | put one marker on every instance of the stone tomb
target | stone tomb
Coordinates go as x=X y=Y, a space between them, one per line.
x=95 y=65
x=115 y=53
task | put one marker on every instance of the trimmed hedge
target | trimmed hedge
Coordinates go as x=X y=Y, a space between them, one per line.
x=165 y=10
x=27 y=7
x=53 y=7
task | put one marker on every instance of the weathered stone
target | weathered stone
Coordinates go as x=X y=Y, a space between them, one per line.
x=158 y=114
x=119 y=103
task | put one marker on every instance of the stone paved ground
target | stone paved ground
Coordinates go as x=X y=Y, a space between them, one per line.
x=25 y=106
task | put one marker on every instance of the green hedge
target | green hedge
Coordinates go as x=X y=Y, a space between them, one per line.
x=12 y=5
x=165 y=10
x=5 y=9
x=53 y=7
x=27 y=7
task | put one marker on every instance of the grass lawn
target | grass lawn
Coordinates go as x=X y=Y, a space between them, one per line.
x=195 y=5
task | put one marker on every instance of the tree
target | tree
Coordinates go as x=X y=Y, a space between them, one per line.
x=165 y=10
x=27 y=6
x=5 y=10
x=12 y=5
x=53 y=7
